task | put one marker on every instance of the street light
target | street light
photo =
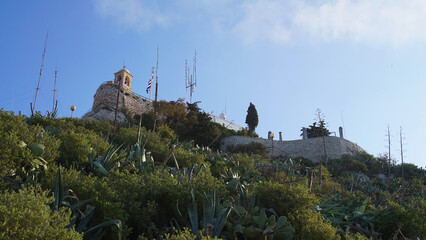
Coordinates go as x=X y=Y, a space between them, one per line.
x=72 y=108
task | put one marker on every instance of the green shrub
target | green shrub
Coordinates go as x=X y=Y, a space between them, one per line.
x=244 y=161
x=77 y=145
x=409 y=217
x=102 y=128
x=126 y=136
x=145 y=203
x=284 y=199
x=185 y=234
x=360 y=162
x=310 y=225
x=16 y=139
x=327 y=184
x=106 y=197
x=305 y=162
x=166 y=133
x=26 y=215
x=356 y=236
x=186 y=158
x=251 y=148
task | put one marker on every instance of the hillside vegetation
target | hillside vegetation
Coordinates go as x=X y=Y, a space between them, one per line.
x=78 y=179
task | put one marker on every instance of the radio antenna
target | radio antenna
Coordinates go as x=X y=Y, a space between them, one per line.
x=191 y=79
x=54 y=91
x=32 y=106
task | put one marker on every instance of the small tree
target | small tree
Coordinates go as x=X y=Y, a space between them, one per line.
x=252 y=119
x=315 y=130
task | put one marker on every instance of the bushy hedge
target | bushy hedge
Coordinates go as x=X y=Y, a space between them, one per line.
x=284 y=199
x=77 y=145
x=310 y=225
x=26 y=215
x=409 y=218
x=16 y=138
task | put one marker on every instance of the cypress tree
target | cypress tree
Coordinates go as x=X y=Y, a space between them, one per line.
x=252 y=119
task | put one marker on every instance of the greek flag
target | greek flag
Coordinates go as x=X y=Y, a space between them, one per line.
x=148 y=89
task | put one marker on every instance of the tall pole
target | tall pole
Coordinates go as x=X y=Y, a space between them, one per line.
x=402 y=153
x=389 y=153
x=32 y=106
x=116 y=106
x=54 y=91
x=150 y=84
x=156 y=75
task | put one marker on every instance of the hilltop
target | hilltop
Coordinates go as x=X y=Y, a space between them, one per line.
x=152 y=180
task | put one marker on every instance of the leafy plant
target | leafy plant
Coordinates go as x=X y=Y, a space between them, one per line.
x=80 y=219
x=347 y=214
x=210 y=225
x=25 y=215
x=254 y=224
x=102 y=165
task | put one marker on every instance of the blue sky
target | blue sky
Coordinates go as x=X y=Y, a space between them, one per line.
x=360 y=61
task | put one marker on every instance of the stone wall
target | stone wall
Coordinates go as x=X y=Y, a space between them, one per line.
x=311 y=148
x=105 y=101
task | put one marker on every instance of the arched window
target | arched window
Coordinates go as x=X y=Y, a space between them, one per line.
x=127 y=81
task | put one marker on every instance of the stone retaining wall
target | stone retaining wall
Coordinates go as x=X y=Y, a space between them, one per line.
x=311 y=148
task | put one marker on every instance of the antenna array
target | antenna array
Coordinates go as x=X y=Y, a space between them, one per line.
x=191 y=79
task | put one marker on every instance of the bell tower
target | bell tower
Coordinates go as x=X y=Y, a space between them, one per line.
x=124 y=78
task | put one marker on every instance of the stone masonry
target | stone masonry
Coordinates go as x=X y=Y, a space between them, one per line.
x=129 y=104
x=311 y=148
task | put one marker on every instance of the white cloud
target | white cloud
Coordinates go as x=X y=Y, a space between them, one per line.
x=389 y=22
x=263 y=20
x=375 y=22
x=393 y=22
x=139 y=14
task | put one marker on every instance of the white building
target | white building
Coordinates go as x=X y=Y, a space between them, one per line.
x=222 y=121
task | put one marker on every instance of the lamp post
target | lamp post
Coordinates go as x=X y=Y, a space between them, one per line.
x=72 y=108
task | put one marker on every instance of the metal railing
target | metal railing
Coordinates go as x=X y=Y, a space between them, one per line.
x=140 y=96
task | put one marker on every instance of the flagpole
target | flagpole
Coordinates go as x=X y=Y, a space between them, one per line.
x=149 y=88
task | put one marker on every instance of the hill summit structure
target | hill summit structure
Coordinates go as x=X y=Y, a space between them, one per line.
x=310 y=148
x=111 y=94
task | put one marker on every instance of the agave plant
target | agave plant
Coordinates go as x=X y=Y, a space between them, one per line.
x=252 y=222
x=138 y=157
x=81 y=219
x=347 y=213
x=210 y=225
x=194 y=148
x=187 y=174
x=104 y=164
x=255 y=224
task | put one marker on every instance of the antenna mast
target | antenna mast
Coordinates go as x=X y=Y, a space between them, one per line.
x=186 y=74
x=389 y=154
x=54 y=90
x=32 y=107
x=402 y=153
x=191 y=79
x=156 y=75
